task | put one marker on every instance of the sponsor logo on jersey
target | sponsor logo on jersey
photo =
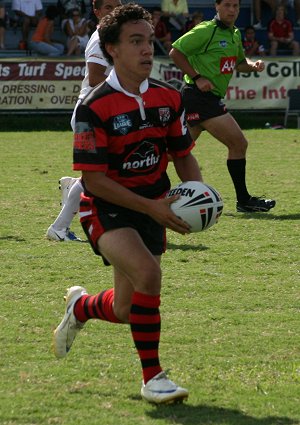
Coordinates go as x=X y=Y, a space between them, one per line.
x=223 y=43
x=164 y=115
x=122 y=124
x=227 y=64
x=84 y=137
x=192 y=117
x=142 y=159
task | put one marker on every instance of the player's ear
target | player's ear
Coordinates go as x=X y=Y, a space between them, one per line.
x=111 y=49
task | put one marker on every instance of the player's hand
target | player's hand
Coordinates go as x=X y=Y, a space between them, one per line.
x=259 y=66
x=161 y=212
x=204 y=85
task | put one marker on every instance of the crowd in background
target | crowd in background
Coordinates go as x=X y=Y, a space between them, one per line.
x=75 y=22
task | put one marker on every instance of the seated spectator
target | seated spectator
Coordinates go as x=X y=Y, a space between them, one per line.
x=251 y=46
x=28 y=12
x=65 y=8
x=257 y=6
x=176 y=11
x=77 y=31
x=196 y=18
x=2 y=24
x=281 y=34
x=161 y=32
x=41 y=41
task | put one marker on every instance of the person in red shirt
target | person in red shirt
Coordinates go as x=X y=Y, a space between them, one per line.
x=251 y=45
x=281 y=34
x=161 y=31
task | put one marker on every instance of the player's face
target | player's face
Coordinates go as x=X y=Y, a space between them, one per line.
x=107 y=7
x=228 y=11
x=133 y=55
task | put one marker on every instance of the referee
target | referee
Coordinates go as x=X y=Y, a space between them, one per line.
x=208 y=54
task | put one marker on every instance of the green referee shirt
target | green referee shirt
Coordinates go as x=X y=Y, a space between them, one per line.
x=213 y=50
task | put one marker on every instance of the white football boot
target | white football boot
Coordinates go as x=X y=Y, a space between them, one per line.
x=61 y=235
x=69 y=327
x=161 y=390
x=65 y=184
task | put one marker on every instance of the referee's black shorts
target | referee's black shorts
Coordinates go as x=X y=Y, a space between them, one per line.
x=201 y=106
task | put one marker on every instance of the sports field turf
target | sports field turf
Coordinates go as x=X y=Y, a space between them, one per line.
x=230 y=299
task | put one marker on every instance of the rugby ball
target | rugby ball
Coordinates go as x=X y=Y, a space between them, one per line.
x=199 y=205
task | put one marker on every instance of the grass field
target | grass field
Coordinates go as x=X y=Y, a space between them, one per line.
x=230 y=300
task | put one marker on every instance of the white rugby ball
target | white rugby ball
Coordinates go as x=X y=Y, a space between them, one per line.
x=199 y=205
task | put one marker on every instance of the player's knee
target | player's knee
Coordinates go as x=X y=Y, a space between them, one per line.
x=149 y=280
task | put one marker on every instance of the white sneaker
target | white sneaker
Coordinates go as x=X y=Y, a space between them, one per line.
x=161 y=390
x=61 y=235
x=65 y=184
x=69 y=327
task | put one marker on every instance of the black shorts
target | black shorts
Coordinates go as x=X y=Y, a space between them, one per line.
x=201 y=106
x=96 y=220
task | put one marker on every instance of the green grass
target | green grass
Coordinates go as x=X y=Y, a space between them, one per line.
x=230 y=300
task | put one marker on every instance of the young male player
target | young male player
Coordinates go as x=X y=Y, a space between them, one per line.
x=124 y=130
x=96 y=71
x=208 y=54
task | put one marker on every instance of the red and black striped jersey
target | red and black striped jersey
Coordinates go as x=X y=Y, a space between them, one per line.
x=127 y=137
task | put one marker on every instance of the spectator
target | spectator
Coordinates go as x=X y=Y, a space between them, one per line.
x=65 y=8
x=257 y=11
x=162 y=34
x=29 y=12
x=77 y=32
x=251 y=45
x=2 y=24
x=197 y=17
x=281 y=34
x=41 y=41
x=176 y=11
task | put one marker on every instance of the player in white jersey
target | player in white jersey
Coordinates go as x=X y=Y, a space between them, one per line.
x=97 y=69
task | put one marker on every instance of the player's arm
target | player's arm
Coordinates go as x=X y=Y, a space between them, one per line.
x=96 y=73
x=105 y=188
x=187 y=168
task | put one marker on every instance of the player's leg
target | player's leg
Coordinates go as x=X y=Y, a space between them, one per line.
x=137 y=300
x=60 y=228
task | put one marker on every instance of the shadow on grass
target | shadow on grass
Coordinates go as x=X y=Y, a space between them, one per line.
x=207 y=415
x=185 y=247
x=264 y=216
x=12 y=238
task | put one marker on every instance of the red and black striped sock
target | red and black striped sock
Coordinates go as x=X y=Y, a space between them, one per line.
x=99 y=306
x=144 y=319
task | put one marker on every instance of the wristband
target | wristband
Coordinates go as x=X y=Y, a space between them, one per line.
x=196 y=77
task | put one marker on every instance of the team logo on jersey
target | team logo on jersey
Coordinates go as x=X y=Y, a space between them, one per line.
x=142 y=159
x=227 y=64
x=223 y=43
x=164 y=115
x=122 y=124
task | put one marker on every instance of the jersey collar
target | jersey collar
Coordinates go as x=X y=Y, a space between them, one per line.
x=113 y=81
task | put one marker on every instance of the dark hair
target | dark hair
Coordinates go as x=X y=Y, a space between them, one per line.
x=249 y=27
x=110 y=26
x=51 y=12
x=97 y=4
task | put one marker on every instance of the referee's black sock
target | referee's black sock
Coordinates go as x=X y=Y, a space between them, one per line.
x=237 y=171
